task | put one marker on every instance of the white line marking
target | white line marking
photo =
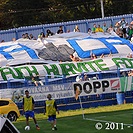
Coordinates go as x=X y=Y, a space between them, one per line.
x=100 y=117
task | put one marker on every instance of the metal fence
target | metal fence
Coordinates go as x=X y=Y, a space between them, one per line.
x=60 y=79
x=83 y=25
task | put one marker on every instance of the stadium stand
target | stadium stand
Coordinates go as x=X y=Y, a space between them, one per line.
x=68 y=103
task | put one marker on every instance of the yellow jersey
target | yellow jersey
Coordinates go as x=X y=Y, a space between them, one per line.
x=28 y=105
x=50 y=108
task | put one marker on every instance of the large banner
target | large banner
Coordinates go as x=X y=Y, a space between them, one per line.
x=68 y=90
x=67 y=68
x=58 y=47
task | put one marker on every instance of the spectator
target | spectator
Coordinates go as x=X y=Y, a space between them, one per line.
x=124 y=74
x=132 y=38
x=130 y=55
x=36 y=79
x=13 y=39
x=23 y=36
x=31 y=37
x=94 y=28
x=127 y=26
x=130 y=72
x=68 y=31
x=130 y=32
x=60 y=31
x=93 y=56
x=41 y=38
x=76 y=29
x=2 y=41
x=27 y=36
x=99 y=29
x=119 y=32
x=85 y=78
x=49 y=33
x=60 y=61
x=42 y=35
x=73 y=58
x=89 y=31
x=102 y=56
x=110 y=29
x=80 y=77
x=104 y=27
x=110 y=54
x=123 y=25
x=131 y=23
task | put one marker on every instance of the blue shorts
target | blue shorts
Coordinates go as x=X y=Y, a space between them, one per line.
x=51 y=118
x=29 y=114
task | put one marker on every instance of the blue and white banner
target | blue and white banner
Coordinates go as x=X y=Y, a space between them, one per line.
x=98 y=46
x=59 y=47
x=20 y=51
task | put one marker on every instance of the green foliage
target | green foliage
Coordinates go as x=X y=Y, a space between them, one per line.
x=16 y=13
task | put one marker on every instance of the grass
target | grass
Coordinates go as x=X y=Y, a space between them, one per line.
x=72 y=121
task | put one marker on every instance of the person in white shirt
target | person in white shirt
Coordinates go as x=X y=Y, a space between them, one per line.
x=123 y=26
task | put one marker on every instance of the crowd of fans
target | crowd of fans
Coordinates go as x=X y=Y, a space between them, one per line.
x=121 y=28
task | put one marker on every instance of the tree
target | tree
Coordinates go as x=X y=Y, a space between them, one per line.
x=15 y=13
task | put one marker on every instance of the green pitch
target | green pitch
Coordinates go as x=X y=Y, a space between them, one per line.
x=104 y=122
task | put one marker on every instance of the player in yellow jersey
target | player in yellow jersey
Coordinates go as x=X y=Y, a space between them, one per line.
x=50 y=111
x=28 y=108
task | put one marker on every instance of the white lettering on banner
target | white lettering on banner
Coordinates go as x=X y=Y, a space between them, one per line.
x=43 y=89
x=67 y=68
x=39 y=93
x=57 y=91
x=48 y=88
x=97 y=86
x=58 y=87
x=65 y=94
x=55 y=95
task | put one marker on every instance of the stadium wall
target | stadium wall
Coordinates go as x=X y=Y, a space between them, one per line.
x=83 y=25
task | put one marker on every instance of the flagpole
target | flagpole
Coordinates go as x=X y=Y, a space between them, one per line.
x=102 y=8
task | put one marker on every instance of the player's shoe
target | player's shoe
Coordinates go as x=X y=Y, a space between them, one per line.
x=37 y=127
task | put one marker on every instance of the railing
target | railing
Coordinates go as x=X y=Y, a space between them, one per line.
x=60 y=79
x=84 y=25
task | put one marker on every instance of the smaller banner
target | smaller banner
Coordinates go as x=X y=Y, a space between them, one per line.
x=58 y=91
x=97 y=86
x=126 y=83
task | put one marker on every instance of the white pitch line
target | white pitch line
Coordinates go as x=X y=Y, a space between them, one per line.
x=100 y=117
x=108 y=121
x=111 y=115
